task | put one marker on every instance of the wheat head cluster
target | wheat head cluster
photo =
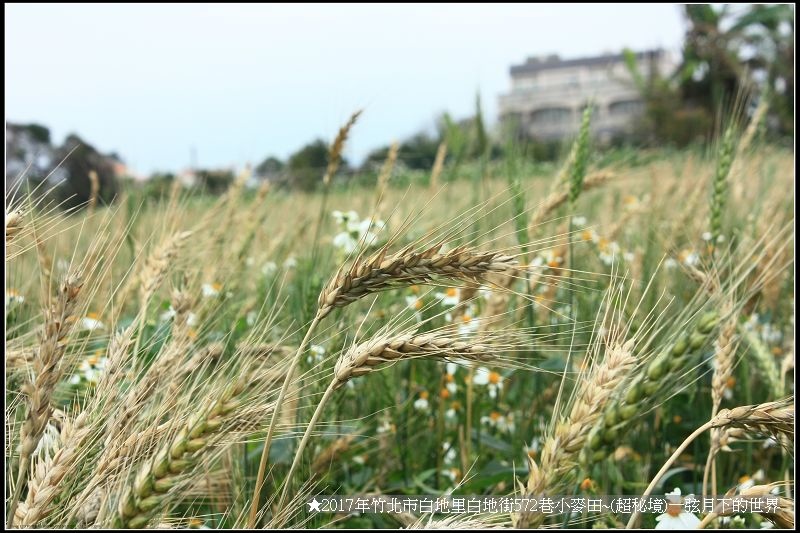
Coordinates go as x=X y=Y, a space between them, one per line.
x=618 y=324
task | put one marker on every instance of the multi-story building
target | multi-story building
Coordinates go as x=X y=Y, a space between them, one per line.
x=549 y=94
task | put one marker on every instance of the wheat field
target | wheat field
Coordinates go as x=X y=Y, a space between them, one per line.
x=609 y=325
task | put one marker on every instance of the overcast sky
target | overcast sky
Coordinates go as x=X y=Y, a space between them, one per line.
x=240 y=82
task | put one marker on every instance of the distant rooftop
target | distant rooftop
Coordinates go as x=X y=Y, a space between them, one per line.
x=552 y=62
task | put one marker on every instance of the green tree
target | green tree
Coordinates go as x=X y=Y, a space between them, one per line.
x=80 y=158
x=307 y=166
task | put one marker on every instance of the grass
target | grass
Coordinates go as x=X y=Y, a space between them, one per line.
x=564 y=330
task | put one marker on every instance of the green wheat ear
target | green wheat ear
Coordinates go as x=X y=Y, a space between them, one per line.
x=581 y=156
x=648 y=386
x=719 y=189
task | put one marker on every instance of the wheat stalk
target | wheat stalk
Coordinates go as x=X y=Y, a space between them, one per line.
x=387 y=348
x=94 y=191
x=381 y=272
x=45 y=485
x=558 y=198
x=772 y=418
x=13 y=224
x=335 y=151
x=59 y=320
x=141 y=500
x=561 y=448
x=438 y=165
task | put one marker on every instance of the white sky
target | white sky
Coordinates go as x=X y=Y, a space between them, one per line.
x=239 y=82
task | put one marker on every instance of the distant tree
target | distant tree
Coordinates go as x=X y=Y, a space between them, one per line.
x=270 y=166
x=80 y=158
x=727 y=53
x=38 y=132
x=214 y=181
x=731 y=51
x=307 y=166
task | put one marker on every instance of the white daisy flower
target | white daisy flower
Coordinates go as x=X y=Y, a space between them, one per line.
x=691 y=259
x=13 y=298
x=269 y=268
x=345 y=242
x=449 y=298
x=450 y=453
x=468 y=326
x=290 y=262
x=670 y=263
x=491 y=379
x=676 y=517
x=91 y=322
x=316 y=354
x=211 y=290
x=579 y=221
x=421 y=403
x=452 y=474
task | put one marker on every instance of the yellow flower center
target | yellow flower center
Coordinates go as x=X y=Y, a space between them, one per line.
x=418 y=305
x=731 y=382
x=424 y=395
x=451 y=292
x=444 y=394
x=93 y=316
x=586 y=235
x=495 y=416
x=586 y=484
x=674 y=509
x=744 y=479
x=466 y=318
x=216 y=286
x=494 y=378
x=677 y=419
x=449 y=378
x=414 y=289
x=455 y=406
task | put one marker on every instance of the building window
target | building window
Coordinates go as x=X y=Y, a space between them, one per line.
x=552 y=115
x=626 y=107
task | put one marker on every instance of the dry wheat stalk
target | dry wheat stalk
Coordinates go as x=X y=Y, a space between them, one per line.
x=558 y=198
x=59 y=320
x=388 y=347
x=335 y=151
x=561 y=449
x=774 y=419
x=438 y=165
x=94 y=191
x=783 y=517
x=383 y=177
x=157 y=264
x=13 y=224
x=365 y=357
x=45 y=484
x=381 y=272
x=724 y=351
x=771 y=418
x=325 y=458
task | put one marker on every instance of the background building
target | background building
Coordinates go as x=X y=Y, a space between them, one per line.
x=548 y=94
